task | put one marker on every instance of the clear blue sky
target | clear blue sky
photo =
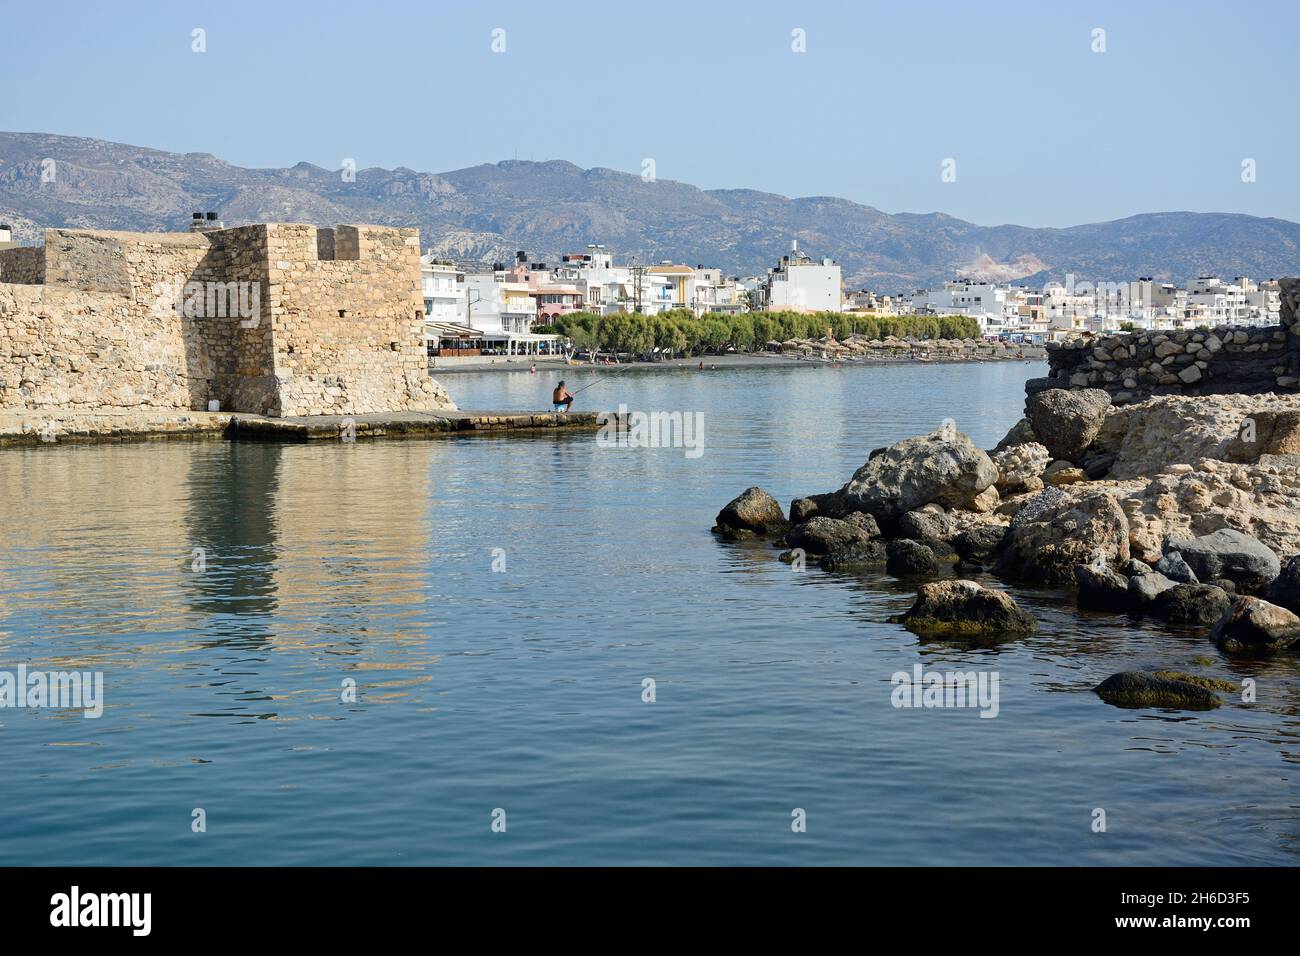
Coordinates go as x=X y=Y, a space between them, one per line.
x=1044 y=130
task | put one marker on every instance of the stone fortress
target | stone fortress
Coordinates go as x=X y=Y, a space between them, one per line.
x=1133 y=366
x=272 y=319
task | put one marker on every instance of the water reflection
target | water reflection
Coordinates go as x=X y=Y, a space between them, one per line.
x=373 y=563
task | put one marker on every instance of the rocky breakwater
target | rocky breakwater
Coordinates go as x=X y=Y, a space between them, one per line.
x=1180 y=509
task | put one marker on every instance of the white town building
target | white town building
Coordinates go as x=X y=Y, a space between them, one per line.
x=801 y=284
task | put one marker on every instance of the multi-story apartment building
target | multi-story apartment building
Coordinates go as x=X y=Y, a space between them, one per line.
x=677 y=289
x=997 y=308
x=801 y=284
x=716 y=293
x=444 y=291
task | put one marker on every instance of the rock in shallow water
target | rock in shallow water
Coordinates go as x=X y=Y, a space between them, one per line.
x=867 y=555
x=906 y=558
x=821 y=535
x=1190 y=604
x=1139 y=689
x=753 y=511
x=1253 y=625
x=1057 y=529
x=965 y=610
x=801 y=509
x=1101 y=589
x=1176 y=569
x=980 y=543
x=1285 y=589
x=1228 y=553
x=1133 y=567
x=1145 y=588
x=930 y=526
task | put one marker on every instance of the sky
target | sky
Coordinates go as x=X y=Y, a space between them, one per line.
x=1034 y=116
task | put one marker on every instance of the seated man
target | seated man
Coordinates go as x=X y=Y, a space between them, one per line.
x=560 y=398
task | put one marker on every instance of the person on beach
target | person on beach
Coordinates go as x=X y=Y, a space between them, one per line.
x=561 y=398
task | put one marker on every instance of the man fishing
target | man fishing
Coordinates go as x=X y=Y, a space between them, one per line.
x=561 y=398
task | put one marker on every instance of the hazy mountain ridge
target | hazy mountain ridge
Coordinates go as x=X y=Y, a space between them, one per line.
x=548 y=208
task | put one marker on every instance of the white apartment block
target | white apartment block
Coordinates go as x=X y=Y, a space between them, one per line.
x=443 y=286
x=801 y=284
x=997 y=308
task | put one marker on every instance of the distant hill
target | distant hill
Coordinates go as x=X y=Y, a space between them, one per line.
x=547 y=208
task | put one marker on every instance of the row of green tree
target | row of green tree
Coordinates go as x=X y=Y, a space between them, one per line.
x=680 y=332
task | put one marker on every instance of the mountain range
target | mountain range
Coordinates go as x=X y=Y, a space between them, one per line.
x=488 y=212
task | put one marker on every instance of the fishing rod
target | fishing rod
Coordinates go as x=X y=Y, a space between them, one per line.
x=601 y=379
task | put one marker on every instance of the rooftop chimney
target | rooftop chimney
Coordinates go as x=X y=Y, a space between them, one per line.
x=208 y=222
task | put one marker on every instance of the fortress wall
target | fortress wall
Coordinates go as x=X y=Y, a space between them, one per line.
x=274 y=319
x=349 y=331
x=1230 y=360
x=104 y=332
x=81 y=349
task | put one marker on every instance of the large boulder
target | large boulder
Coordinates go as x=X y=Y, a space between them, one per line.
x=822 y=535
x=908 y=558
x=943 y=467
x=860 y=556
x=1133 y=567
x=1228 y=553
x=1190 y=604
x=966 y=610
x=801 y=509
x=753 y=511
x=1100 y=588
x=979 y=544
x=1176 y=569
x=1143 y=589
x=1254 y=625
x=1020 y=467
x=1139 y=689
x=1067 y=421
x=1285 y=589
x=1057 y=529
x=930 y=525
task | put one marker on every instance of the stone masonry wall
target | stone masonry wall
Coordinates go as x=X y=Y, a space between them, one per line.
x=23 y=264
x=1136 y=365
x=348 y=332
x=108 y=323
x=74 y=348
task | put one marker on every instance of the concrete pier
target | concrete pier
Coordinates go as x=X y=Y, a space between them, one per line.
x=38 y=427
x=403 y=425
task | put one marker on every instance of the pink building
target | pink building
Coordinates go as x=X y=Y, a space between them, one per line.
x=555 y=300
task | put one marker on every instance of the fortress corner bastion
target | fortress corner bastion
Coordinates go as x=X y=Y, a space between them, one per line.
x=275 y=319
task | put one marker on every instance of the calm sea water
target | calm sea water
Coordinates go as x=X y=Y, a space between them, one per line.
x=521 y=689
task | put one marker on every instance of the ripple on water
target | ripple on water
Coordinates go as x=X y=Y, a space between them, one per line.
x=522 y=689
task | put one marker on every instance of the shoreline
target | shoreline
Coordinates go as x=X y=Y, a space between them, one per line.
x=28 y=427
x=731 y=361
